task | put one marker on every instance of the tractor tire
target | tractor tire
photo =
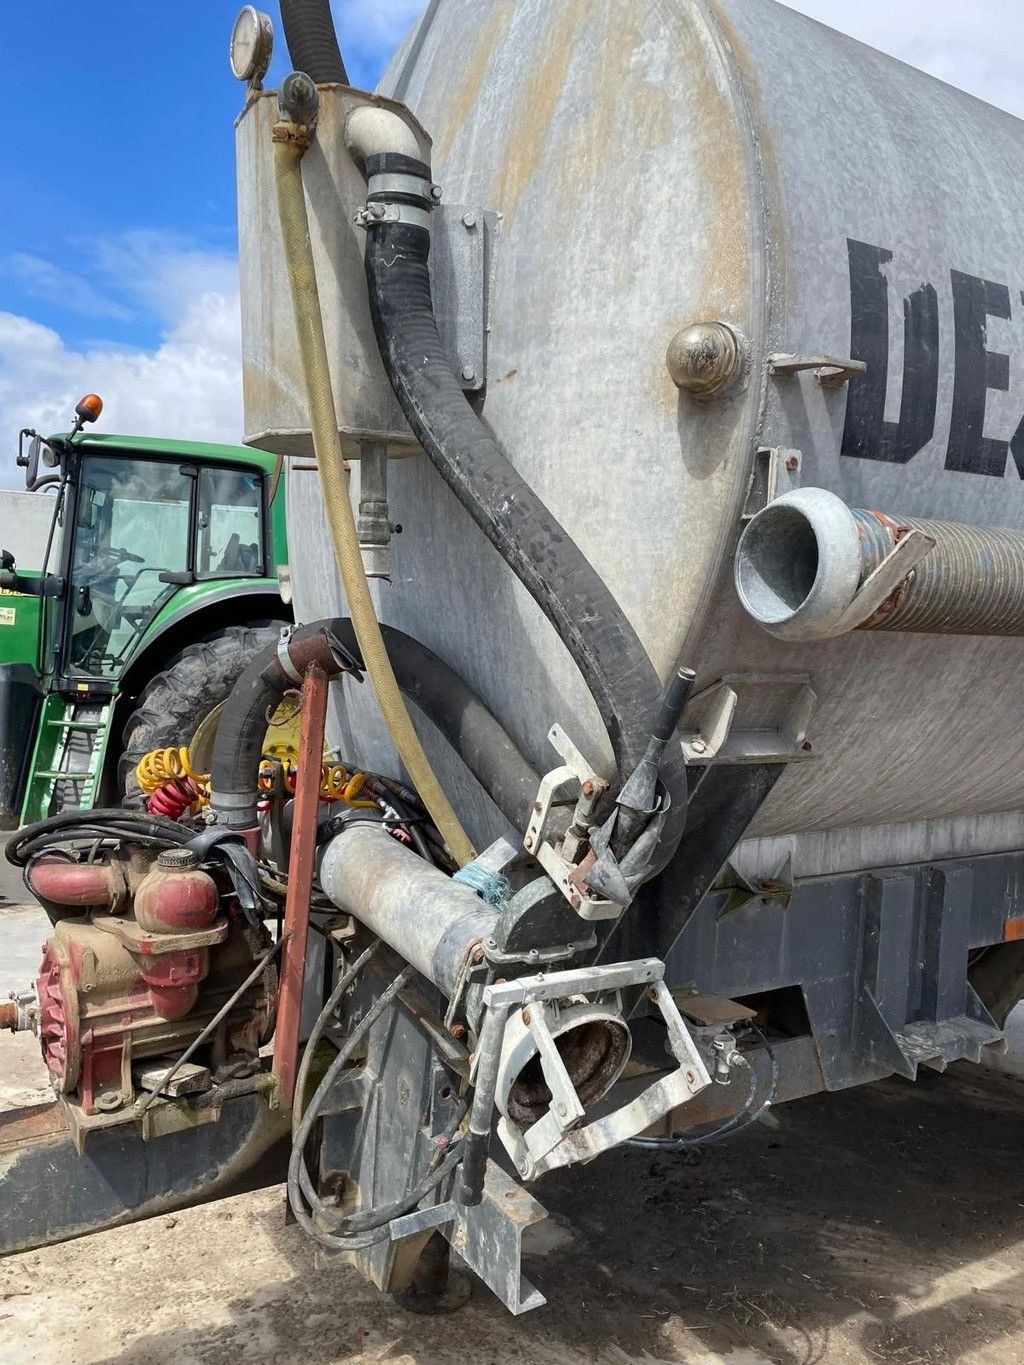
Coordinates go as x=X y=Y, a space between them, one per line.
x=174 y=703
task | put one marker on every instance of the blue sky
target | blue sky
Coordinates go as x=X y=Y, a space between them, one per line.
x=117 y=236
x=125 y=109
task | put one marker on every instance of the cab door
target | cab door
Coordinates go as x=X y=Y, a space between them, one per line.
x=133 y=529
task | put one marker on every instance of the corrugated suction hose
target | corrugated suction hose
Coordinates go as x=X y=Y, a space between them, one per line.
x=312 y=41
x=290 y=143
x=538 y=550
x=808 y=567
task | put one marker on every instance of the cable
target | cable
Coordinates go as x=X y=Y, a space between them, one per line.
x=115 y=825
x=315 y=369
x=221 y=1014
x=317 y=1031
x=738 y=1123
x=354 y=1231
x=299 y=1182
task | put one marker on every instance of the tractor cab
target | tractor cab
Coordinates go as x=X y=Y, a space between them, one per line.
x=145 y=536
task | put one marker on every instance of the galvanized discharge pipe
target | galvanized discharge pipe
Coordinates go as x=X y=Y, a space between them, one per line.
x=803 y=562
x=433 y=922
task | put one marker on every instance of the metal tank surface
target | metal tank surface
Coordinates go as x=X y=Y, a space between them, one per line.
x=658 y=166
x=670 y=347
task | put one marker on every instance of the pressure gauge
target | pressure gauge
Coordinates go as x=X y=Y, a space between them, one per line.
x=252 y=42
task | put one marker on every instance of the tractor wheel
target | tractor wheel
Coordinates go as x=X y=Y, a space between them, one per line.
x=175 y=703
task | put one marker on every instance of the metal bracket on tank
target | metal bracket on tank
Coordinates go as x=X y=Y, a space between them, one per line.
x=830 y=371
x=750 y=718
x=567 y=858
x=462 y=262
x=776 y=471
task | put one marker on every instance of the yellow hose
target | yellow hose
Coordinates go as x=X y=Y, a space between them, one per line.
x=290 y=143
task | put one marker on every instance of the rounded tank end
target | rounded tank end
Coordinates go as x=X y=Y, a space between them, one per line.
x=798 y=565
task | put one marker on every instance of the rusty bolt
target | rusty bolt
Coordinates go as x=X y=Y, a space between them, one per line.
x=792 y=463
x=653 y=994
x=537 y=807
x=478 y=956
x=526 y=1016
x=690 y=1078
x=588 y=788
x=528 y=841
x=458 y=1030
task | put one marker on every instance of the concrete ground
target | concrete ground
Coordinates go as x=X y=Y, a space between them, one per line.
x=884 y=1224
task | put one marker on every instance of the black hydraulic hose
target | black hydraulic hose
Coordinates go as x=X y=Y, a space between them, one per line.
x=312 y=40
x=539 y=551
x=108 y=824
x=439 y=692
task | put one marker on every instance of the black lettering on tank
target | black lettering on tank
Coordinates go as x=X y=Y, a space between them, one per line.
x=977 y=370
x=867 y=435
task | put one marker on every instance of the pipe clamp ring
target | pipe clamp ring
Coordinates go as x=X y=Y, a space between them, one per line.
x=285 y=659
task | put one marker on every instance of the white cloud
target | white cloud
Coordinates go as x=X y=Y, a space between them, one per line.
x=41 y=279
x=160 y=272
x=189 y=386
x=976 y=47
x=369 y=29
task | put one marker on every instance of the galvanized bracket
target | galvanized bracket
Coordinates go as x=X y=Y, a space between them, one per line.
x=575 y=783
x=463 y=250
x=556 y=1139
x=879 y=586
x=775 y=472
x=830 y=371
x=750 y=718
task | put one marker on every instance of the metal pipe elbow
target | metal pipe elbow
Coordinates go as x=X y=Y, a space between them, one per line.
x=373 y=131
x=798 y=565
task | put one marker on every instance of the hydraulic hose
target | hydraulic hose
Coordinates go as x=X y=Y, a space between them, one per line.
x=312 y=40
x=290 y=143
x=439 y=692
x=538 y=550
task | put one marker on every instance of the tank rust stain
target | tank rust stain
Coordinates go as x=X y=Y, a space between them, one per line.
x=536 y=105
x=717 y=186
x=750 y=77
x=472 y=80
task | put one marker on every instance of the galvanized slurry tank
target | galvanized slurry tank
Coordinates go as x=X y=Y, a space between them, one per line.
x=661 y=164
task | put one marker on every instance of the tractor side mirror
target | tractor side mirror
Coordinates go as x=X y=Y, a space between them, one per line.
x=38 y=451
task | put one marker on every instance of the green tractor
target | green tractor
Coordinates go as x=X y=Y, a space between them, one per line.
x=161 y=579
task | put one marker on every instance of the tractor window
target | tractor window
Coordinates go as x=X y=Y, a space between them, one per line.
x=132 y=525
x=230 y=524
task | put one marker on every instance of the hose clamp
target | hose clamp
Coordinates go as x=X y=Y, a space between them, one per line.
x=397 y=182
x=377 y=214
x=284 y=659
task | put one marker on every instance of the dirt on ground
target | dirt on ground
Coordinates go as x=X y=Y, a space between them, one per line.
x=885 y=1224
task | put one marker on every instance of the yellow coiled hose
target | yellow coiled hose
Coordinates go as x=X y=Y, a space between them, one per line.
x=161 y=766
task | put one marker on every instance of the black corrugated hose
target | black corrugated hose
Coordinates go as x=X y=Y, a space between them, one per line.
x=540 y=552
x=312 y=41
x=460 y=716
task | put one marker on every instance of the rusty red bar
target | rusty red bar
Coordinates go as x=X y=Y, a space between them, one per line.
x=300 y=879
